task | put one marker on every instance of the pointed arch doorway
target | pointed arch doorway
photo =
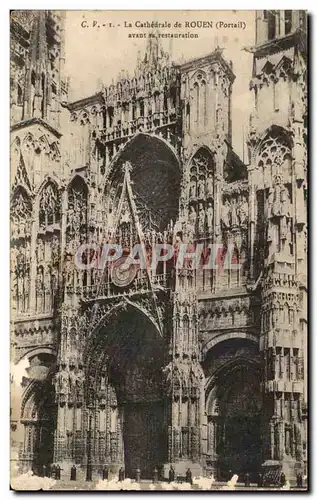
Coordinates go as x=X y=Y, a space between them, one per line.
x=126 y=370
x=39 y=416
x=235 y=419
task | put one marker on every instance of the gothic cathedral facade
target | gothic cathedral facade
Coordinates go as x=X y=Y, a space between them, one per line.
x=201 y=368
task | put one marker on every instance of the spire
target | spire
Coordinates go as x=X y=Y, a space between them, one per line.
x=36 y=81
x=155 y=57
x=38 y=43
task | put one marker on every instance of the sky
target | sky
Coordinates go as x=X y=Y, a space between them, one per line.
x=96 y=53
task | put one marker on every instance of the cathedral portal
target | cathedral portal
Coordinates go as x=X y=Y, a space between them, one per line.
x=126 y=366
x=235 y=420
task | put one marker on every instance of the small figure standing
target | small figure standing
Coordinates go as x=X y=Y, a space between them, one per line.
x=299 y=480
x=282 y=479
x=171 y=474
x=121 y=474
x=58 y=472
x=189 y=476
x=73 y=473
x=260 y=480
x=105 y=473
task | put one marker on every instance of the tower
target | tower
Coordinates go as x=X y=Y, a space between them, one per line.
x=37 y=90
x=278 y=171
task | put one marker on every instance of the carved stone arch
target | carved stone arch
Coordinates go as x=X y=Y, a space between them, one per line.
x=52 y=177
x=49 y=203
x=229 y=366
x=205 y=152
x=105 y=319
x=212 y=403
x=124 y=153
x=223 y=336
x=156 y=175
x=274 y=134
x=39 y=414
x=35 y=351
x=28 y=400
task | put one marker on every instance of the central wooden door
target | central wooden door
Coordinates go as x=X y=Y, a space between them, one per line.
x=144 y=439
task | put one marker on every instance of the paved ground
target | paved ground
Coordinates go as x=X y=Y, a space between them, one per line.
x=91 y=485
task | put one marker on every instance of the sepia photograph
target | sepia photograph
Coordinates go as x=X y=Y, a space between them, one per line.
x=158 y=250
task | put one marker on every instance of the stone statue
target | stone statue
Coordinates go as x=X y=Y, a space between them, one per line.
x=226 y=215
x=234 y=218
x=201 y=219
x=40 y=250
x=276 y=211
x=210 y=185
x=243 y=211
x=192 y=189
x=72 y=382
x=192 y=216
x=62 y=379
x=55 y=249
x=210 y=216
x=270 y=200
x=285 y=202
x=80 y=382
x=39 y=280
x=201 y=188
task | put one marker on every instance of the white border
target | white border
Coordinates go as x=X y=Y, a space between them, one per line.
x=4 y=181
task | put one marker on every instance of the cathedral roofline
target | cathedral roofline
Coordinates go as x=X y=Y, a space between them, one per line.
x=96 y=98
x=278 y=44
x=35 y=121
x=209 y=58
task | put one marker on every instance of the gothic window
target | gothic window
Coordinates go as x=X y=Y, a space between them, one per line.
x=21 y=212
x=49 y=209
x=275 y=153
